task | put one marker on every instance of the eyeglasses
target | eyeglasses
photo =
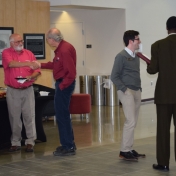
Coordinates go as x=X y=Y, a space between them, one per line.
x=137 y=39
x=18 y=42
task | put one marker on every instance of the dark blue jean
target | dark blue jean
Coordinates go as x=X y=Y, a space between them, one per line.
x=61 y=105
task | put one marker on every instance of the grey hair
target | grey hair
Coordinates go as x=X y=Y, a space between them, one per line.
x=55 y=34
x=11 y=39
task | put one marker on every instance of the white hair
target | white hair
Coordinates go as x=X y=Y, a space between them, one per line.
x=55 y=34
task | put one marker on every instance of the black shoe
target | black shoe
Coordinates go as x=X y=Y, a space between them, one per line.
x=29 y=148
x=65 y=152
x=60 y=148
x=137 y=155
x=160 y=167
x=127 y=156
x=14 y=148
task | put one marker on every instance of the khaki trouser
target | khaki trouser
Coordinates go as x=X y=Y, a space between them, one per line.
x=21 y=101
x=131 y=101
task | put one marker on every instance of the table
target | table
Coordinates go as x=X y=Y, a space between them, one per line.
x=5 y=129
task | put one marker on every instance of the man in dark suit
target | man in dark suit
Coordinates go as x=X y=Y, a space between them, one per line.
x=163 y=62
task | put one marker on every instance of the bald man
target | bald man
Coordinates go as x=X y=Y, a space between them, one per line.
x=18 y=62
x=64 y=72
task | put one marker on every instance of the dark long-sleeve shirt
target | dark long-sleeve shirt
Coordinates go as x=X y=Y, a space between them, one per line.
x=64 y=64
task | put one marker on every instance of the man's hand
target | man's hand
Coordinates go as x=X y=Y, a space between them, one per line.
x=28 y=78
x=35 y=65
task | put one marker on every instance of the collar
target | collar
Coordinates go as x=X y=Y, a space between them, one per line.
x=130 y=52
x=57 y=49
x=171 y=33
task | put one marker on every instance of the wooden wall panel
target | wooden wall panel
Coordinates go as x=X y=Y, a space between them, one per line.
x=7 y=13
x=34 y=17
x=31 y=17
x=7 y=19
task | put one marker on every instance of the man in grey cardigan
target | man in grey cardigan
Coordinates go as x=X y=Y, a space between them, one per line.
x=126 y=76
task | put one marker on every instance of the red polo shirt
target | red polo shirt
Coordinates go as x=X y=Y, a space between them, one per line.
x=64 y=64
x=11 y=73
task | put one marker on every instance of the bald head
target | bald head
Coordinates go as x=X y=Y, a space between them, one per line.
x=54 y=34
x=13 y=37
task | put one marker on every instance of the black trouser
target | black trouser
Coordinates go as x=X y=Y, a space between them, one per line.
x=62 y=103
x=164 y=116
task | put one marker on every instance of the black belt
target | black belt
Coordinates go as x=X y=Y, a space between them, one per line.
x=19 y=87
x=60 y=79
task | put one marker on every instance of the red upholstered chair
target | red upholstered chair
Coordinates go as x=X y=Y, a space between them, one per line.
x=80 y=104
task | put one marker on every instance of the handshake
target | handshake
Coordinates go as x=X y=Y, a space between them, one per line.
x=34 y=65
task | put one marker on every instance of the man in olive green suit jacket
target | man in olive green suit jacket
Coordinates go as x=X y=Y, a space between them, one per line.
x=163 y=62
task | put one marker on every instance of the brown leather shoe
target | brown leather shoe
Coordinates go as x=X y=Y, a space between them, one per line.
x=29 y=148
x=14 y=148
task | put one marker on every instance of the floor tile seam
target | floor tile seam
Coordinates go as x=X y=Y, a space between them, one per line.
x=114 y=172
x=9 y=162
x=36 y=172
x=86 y=170
x=26 y=167
x=88 y=154
x=96 y=154
x=66 y=167
x=70 y=172
x=15 y=162
x=87 y=157
x=92 y=149
x=95 y=146
x=40 y=159
x=130 y=172
x=89 y=160
x=31 y=172
x=57 y=161
x=84 y=158
x=34 y=160
x=41 y=163
x=15 y=169
x=77 y=168
x=103 y=171
x=21 y=168
x=49 y=163
x=85 y=162
x=82 y=148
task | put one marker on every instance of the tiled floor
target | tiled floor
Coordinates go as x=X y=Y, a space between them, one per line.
x=98 y=142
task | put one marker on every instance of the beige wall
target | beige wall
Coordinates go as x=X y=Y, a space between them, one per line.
x=27 y=16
